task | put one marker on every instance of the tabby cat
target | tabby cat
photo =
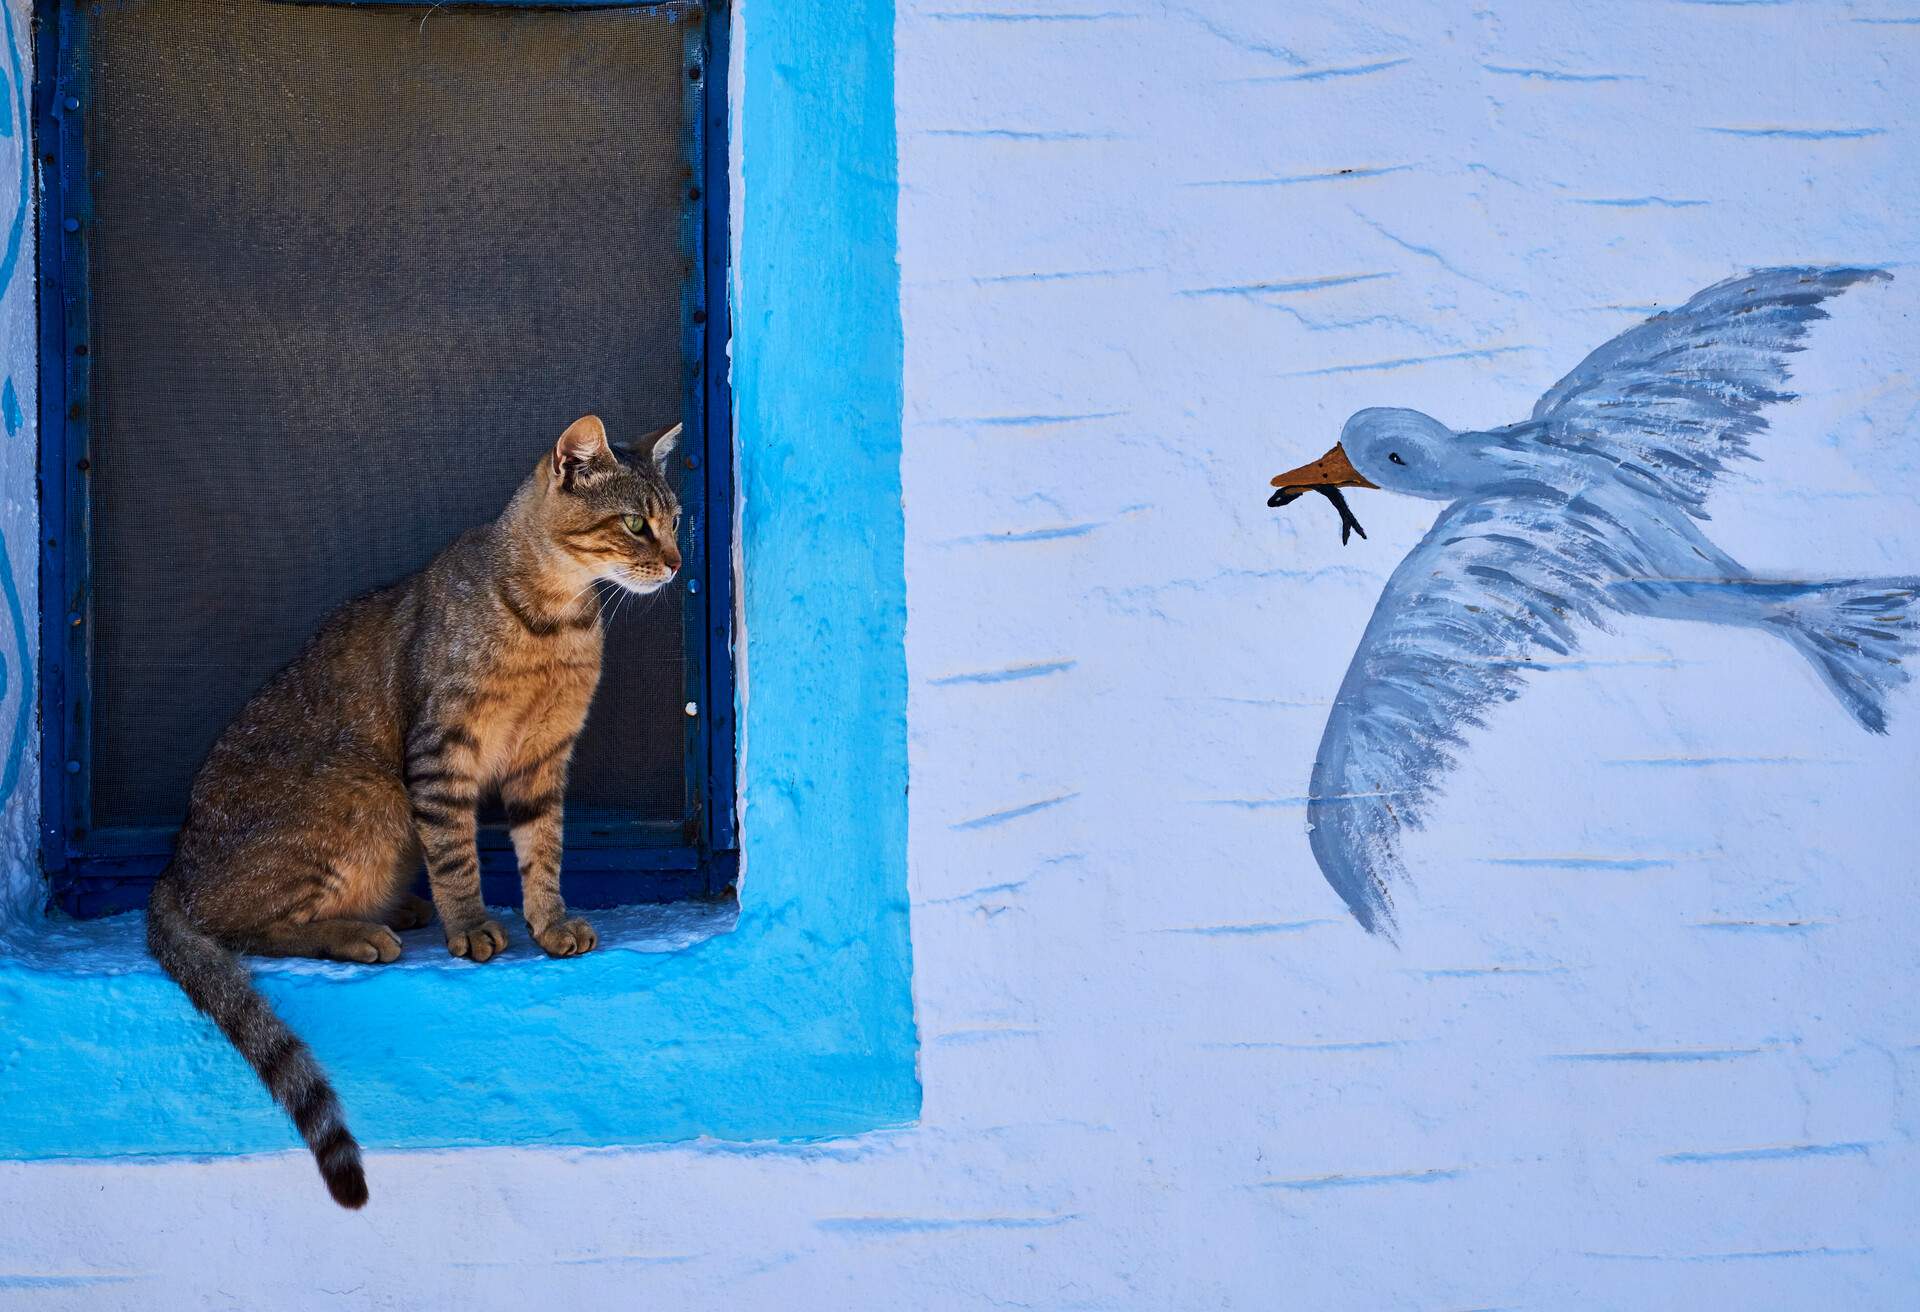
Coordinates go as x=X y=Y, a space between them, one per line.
x=310 y=817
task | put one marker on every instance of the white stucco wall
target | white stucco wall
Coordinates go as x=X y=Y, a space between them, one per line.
x=1649 y=1040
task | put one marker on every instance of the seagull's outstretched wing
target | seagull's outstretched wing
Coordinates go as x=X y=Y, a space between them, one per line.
x=1500 y=581
x=1676 y=398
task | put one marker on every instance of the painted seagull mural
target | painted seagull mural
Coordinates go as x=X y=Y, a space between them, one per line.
x=1585 y=511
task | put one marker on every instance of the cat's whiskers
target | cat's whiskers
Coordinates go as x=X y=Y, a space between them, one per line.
x=583 y=591
x=620 y=605
x=566 y=607
x=609 y=606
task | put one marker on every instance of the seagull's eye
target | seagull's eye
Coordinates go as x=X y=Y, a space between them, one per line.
x=638 y=526
x=1395 y=457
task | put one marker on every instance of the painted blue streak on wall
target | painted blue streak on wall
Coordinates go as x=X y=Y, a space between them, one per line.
x=799 y=1024
x=23 y=661
x=17 y=105
x=10 y=410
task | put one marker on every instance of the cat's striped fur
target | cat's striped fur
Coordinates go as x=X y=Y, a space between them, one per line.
x=374 y=747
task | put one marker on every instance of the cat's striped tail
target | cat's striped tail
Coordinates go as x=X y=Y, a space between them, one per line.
x=218 y=984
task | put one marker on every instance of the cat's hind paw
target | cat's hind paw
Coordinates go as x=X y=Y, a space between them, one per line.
x=411 y=913
x=372 y=945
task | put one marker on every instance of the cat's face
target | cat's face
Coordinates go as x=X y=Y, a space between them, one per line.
x=615 y=517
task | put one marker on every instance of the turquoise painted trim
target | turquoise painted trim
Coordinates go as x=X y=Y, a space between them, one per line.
x=797 y=1024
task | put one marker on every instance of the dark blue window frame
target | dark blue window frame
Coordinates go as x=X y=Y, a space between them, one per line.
x=101 y=872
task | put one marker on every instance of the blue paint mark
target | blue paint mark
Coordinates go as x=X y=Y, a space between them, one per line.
x=1011 y=674
x=1298 y=285
x=1405 y=362
x=1004 y=888
x=1640 y=202
x=1525 y=663
x=60 y=1282
x=921 y=1225
x=618 y=1259
x=1052 y=534
x=1361 y=1181
x=1367 y=1045
x=972 y=893
x=1429 y=253
x=1554 y=75
x=1333 y=175
x=1580 y=862
x=1252 y=927
x=1658 y=1055
x=23 y=714
x=1482 y=972
x=11 y=259
x=1323 y=74
x=983 y=1034
x=1200 y=16
x=1803 y=134
x=977 y=16
x=1019 y=134
x=1023 y=421
x=10 y=401
x=1013 y=813
x=1760 y=1255
x=1701 y=762
x=1789 y=1152
x=1761 y=926
x=1065 y=275
x=1257 y=803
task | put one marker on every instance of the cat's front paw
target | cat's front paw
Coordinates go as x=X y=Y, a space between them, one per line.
x=481 y=942
x=569 y=938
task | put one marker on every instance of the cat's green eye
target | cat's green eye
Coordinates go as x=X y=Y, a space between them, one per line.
x=637 y=525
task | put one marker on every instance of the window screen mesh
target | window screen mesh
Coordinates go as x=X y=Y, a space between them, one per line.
x=353 y=270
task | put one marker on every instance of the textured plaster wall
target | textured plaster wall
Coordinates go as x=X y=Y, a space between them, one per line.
x=1649 y=1041
x=20 y=887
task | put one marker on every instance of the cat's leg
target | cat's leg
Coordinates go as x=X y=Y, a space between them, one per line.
x=534 y=795
x=443 y=790
x=330 y=940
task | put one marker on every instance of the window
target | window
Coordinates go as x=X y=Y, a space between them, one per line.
x=321 y=282
x=799 y=1023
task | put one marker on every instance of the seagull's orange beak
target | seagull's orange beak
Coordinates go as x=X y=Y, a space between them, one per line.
x=1331 y=470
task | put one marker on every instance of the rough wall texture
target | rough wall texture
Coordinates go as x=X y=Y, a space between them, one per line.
x=1649 y=1039
x=21 y=890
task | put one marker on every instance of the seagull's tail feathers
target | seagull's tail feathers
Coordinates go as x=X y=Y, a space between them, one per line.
x=1860 y=635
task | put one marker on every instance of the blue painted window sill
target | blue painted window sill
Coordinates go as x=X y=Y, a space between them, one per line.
x=797 y=1023
x=686 y=1023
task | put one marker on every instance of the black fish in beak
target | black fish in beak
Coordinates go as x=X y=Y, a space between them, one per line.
x=1327 y=476
x=1349 y=525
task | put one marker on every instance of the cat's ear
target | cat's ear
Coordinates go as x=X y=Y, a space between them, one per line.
x=663 y=444
x=584 y=443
